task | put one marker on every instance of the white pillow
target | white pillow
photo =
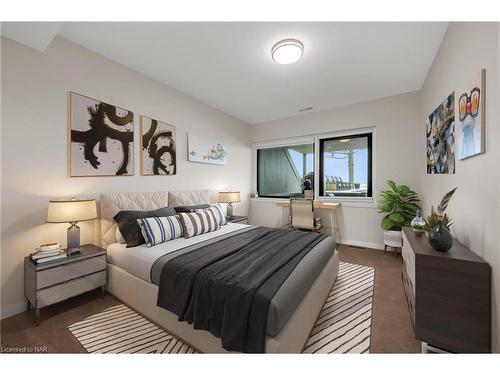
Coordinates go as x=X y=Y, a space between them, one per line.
x=119 y=237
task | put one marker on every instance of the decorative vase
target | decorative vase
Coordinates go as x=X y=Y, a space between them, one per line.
x=440 y=237
x=417 y=224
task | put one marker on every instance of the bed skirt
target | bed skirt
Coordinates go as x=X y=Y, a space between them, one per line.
x=141 y=296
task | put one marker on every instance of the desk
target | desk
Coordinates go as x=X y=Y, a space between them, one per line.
x=332 y=207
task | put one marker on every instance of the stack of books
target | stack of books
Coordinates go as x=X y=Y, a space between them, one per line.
x=48 y=253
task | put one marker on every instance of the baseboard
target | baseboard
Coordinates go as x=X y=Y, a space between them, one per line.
x=16 y=308
x=370 y=245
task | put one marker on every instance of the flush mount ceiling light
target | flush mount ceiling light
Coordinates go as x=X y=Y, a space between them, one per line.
x=287 y=51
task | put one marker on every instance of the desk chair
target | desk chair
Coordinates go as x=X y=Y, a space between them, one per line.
x=302 y=215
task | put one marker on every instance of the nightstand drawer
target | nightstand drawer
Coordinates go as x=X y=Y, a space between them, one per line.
x=69 y=289
x=59 y=274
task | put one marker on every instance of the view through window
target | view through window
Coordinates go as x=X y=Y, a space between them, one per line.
x=345 y=166
x=281 y=171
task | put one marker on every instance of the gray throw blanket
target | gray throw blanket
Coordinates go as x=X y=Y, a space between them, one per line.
x=225 y=287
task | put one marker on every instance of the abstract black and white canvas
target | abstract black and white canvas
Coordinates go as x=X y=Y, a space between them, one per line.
x=158 y=155
x=101 y=138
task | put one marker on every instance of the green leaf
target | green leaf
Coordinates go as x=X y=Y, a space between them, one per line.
x=392 y=185
x=387 y=223
x=397 y=217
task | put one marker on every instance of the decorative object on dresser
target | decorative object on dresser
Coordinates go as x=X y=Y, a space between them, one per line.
x=204 y=149
x=48 y=253
x=400 y=204
x=440 y=236
x=448 y=295
x=72 y=211
x=92 y=123
x=158 y=155
x=49 y=283
x=471 y=121
x=238 y=219
x=440 y=131
x=418 y=224
x=229 y=197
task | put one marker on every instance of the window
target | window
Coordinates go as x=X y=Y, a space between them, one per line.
x=346 y=166
x=282 y=170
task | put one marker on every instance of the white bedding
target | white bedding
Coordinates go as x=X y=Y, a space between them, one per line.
x=138 y=260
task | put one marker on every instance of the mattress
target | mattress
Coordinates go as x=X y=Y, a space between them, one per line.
x=139 y=260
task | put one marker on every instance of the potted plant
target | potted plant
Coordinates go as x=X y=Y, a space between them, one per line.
x=400 y=204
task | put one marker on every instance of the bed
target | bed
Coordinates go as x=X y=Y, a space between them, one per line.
x=131 y=278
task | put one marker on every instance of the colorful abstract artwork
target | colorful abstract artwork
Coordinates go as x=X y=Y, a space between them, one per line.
x=470 y=129
x=204 y=149
x=441 y=138
x=101 y=138
x=158 y=156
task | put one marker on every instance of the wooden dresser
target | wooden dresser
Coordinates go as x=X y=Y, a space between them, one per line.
x=448 y=294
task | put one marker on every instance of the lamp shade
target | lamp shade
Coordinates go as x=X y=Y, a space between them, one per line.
x=229 y=196
x=70 y=211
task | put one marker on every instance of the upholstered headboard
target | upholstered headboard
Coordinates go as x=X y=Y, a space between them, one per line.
x=111 y=203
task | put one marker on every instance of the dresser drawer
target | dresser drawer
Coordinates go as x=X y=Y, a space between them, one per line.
x=69 y=289
x=59 y=274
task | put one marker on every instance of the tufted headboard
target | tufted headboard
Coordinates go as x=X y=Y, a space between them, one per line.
x=111 y=203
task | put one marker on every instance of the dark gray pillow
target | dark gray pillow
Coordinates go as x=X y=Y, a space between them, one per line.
x=130 y=230
x=187 y=209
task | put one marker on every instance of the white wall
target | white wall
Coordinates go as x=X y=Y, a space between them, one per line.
x=475 y=207
x=34 y=145
x=397 y=148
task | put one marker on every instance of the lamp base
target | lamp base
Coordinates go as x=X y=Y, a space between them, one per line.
x=229 y=211
x=73 y=238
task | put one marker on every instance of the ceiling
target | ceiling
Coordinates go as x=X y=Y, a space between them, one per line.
x=229 y=66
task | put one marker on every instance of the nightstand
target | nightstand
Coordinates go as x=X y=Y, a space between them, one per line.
x=237 y=219
x=49 y=283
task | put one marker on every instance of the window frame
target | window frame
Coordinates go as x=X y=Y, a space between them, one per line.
x=367 y=202
x=369 y=191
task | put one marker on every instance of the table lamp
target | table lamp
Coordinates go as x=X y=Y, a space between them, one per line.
x=229 y=197
x=72 y=211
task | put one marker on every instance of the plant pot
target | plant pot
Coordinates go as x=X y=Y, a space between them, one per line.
x=393 y=238
x=440 y=237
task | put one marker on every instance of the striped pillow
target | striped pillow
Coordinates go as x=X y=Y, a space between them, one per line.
x=156 y=230
x=199 y=222
x=220 y=214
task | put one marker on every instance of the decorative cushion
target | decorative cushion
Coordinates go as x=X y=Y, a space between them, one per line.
x=220 y=213
x=119 y=237
x=180 y=209
x=156 y=230
x=199 y=222
x=130 y=230
x=112 y=203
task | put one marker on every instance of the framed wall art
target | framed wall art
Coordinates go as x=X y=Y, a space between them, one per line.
x=440 y=129
x=470 y=127
x=101 y=138
x=158 y=148
x=206 y=149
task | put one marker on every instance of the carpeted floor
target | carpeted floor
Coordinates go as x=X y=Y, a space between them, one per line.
x=391 y=330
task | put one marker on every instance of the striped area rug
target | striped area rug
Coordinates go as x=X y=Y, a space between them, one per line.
x=119 y=329
x=343 y=325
